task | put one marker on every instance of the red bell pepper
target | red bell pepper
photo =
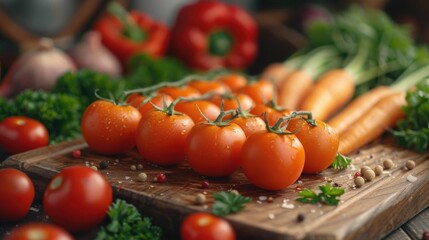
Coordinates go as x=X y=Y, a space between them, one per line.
x=209 y=34
x=126 y=34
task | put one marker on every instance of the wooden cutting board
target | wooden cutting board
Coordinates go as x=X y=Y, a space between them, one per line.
x=369 y=212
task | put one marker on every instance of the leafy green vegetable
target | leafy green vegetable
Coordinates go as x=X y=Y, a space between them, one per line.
x=146 y=71
x=413 y=131
x=391 y=48
x=58 y=112
x=228 y=202
x=84 y=83
x=127 y=223
x=341 y=162
x=328 y=195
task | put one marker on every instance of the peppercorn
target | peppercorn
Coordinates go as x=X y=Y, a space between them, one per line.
x=94 y=167
x=139 y=166
x=410 y=164
x=363 y=169
x=378 y=170
x=205 y=184
x=133 y=167
x=233 y=191
x=359 y=181
x=103 y=164
x=161 y=178
x=369 y=175
x=76 y=153
x=200 y=199
x=300 y=217
x=142 y=177
x=388 y=163
x=425 y=235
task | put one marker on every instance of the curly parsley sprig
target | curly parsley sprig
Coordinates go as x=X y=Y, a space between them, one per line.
x=328 y=195
x=228 y=202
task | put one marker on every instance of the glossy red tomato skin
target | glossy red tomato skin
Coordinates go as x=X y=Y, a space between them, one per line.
x=161 y=137
x=208 y=86
x=176 y=92
x=44 y=231
x=16 y=194
x=233 y=81
x=19 y=134
x=230 y=103
x=144 y=108
x=208 y=109
x=261 y=91
x=77 y=198
x=320 y=144
x=214 y=151
x=205 y=226
x=110 y=129
x=272 y=161
x=250 y=124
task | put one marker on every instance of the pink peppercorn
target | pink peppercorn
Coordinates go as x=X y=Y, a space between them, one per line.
x=76 y=153
x=161 y=178
x=205 y=184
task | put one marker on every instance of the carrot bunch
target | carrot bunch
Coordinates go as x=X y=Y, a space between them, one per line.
x=359 y=87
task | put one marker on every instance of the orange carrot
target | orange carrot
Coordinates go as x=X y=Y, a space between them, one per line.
x=293 y=88
x=333 y=90
x=276 y=72
x=383 y=115
x=358 y=107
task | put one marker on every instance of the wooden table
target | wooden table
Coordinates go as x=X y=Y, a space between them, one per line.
x=369 y=212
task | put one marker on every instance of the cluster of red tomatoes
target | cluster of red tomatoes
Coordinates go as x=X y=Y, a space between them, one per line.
x=76 y=200
x=181 y=123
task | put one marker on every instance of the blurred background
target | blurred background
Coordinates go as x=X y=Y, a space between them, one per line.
x=280 y=23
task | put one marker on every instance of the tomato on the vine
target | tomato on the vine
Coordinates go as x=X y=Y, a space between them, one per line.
x=250 y=124
x=320 y=143
x=16 y=194
x=230 y=101
x=109 y=128
x=233 y=80
x=261 y=91
x=77 y=198
x=161 y=137
x=272 y=161
x=144 y=104
x=208 y=86
x=193 y=108
x=183 y=91
x=38 y=231
x=206 y=226
x=19 y=134
x=214 y=150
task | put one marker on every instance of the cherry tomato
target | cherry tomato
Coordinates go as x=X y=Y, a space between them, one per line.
x=213 y=150
x=19 y=134
x=108 y=128
x=16 y=194
x=272 y=161
x=233 y=81
x=261 y=91
x=230 y=101
x=272 y=114
x=320 y=144
x=38 y=231
x=250 y=124
x=208 y=86
x=161 y=137
x=205 y=226
x=208 y=109
x=77 y=198
x=176 y=92
x=144 y=104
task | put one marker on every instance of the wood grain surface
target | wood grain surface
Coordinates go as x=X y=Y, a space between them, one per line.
x=369 y=212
